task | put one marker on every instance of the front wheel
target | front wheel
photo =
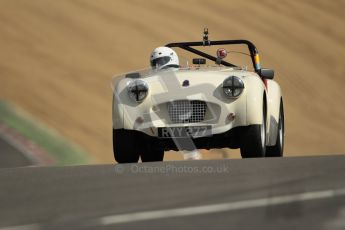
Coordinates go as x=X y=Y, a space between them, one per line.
x=278 y=149
x=253 y=139
x=125 y=146
x=152 y=155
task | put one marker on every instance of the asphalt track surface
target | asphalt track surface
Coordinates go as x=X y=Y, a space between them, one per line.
x=281 y=193
x=10 y=156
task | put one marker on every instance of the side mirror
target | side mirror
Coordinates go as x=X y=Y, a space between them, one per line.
x=266 y=73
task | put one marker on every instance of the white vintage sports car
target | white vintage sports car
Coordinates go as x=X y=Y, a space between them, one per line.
x=198 y=106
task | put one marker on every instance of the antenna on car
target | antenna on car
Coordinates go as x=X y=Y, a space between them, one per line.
x=205 y=41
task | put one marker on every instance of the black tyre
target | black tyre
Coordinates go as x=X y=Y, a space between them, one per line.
x=253 y=139
x=278 y=149
x=125 y=146
x=153 y=155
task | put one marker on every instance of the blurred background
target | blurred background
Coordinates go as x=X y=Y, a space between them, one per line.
x=57 y=59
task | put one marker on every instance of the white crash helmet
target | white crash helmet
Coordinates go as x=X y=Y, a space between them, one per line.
x=164 y=57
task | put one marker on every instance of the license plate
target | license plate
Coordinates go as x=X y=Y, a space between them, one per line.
x=184 y=132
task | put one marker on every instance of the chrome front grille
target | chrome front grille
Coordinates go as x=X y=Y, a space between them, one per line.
x=187 y=111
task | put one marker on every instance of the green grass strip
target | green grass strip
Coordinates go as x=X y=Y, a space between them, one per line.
x=64 y=152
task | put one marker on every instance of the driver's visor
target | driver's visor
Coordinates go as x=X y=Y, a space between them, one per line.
x=160 y=61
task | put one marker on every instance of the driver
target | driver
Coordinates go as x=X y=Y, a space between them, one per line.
x=163 y=58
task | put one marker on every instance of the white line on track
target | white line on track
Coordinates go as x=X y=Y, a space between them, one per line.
x=23 y=227
x=199 y=210
x=215 y=208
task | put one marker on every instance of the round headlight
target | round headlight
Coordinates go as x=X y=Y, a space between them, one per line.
x=233 y=86
x=137 y=90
